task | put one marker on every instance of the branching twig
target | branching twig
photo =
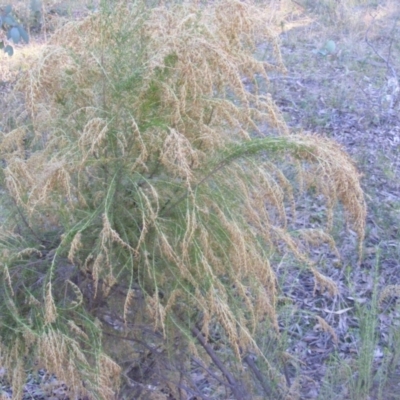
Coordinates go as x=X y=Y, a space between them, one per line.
x=389 y=66
x=25 y=222
x=257 y=373
x=199 y=363
x=238 y=391
x=155 y=353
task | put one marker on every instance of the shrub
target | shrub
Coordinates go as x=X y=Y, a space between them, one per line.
x=15 y=31
x=142 y=190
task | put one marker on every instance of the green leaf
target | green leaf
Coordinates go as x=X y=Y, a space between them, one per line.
x=36 y=6
x=1 y=45
x=14 y=34
x=23 y=33
x=330 y=46
x=8 y=20
x=9 y=50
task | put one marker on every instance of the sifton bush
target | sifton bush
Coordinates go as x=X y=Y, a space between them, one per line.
x=139 y=193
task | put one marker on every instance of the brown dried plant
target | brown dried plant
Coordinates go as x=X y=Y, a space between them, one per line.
x=142 y=168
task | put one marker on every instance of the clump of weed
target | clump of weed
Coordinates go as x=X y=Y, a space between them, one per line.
x=142 y=177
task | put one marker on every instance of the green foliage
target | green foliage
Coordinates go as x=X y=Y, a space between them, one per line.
x=328 y=48
x=14 y=30
x=36 y=13
x=368 y=317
